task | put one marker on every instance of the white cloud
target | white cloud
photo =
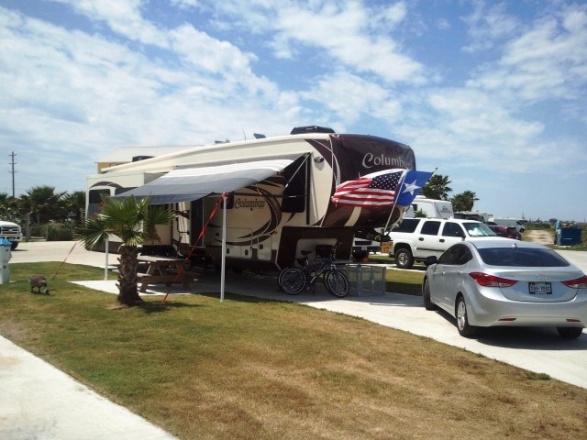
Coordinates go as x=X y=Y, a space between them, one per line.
x=547 y=61
x=343 y=32
x=351 y=97
x=487 y=26
x=350 y=34
x=85 y=94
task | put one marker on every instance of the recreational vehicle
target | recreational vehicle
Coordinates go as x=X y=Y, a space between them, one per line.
x=277 y=194
x=431 y=208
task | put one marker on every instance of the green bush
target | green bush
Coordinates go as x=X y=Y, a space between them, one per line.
x=59 y=232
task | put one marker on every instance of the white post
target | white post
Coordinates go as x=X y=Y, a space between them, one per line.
x=223 y=266
x=106 y=263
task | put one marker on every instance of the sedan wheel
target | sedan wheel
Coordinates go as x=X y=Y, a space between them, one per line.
x=428 y=304
x=570 y=332
x=466 y=330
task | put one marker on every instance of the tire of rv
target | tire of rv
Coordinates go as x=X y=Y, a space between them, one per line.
x=404 y=258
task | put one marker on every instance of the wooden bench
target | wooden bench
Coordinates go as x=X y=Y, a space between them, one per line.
x=157 y=272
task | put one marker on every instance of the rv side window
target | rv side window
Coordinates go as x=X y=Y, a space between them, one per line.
x=294 y=193
x=95 y=195
x=94 y=200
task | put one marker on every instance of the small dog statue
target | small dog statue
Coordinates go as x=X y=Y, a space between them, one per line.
x=40 y=282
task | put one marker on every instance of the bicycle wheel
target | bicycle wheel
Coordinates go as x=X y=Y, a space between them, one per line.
x=292 y=280
x=336 y=283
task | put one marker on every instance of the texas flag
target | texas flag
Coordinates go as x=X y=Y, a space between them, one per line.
x=411 y=187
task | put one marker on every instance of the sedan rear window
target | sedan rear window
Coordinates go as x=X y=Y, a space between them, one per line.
x=522 y=257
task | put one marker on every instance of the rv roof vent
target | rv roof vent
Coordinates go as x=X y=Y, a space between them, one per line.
x=137 y=158
x=311 y=129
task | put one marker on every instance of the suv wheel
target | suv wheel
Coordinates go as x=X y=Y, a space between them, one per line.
x=404 y=258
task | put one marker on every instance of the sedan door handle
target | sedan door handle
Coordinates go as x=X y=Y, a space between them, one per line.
x=421 y=239
x=442 y=240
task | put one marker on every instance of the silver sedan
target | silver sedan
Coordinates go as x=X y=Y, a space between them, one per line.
x=505 y=282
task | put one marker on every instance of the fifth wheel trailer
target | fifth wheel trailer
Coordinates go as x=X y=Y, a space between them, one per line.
x=278 y=190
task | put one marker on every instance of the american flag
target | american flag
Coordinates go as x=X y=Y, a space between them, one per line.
x=370 y=191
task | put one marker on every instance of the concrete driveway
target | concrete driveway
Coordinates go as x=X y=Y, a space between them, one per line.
x=535 y=349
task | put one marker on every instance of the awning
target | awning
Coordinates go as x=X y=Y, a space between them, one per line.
x=186 y=184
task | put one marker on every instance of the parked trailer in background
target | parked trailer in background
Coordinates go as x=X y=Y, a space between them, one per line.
x=431 y=208
x=509 y=221
x=279 y=194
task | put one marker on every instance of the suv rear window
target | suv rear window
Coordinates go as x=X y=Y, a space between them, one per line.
x=407 y=225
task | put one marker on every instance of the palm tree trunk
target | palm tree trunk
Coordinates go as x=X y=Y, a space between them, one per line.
x=127 y=276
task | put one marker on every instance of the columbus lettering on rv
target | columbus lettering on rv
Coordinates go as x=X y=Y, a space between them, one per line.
x=251 y=204
x=370 y=160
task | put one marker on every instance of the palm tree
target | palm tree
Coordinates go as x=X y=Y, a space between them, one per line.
x=133 y=221
x=43 y=203
x=74 y=204
x=437 y=187
x=464 y=201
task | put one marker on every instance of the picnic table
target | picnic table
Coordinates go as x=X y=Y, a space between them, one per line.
x=162 y=270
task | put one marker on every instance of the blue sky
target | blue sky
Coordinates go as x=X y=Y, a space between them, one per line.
x=491 y=93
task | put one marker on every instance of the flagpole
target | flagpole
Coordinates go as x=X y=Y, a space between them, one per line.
x=400 y=186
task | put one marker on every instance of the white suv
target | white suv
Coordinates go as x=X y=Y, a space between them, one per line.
x=11 y=232
x=415 y=239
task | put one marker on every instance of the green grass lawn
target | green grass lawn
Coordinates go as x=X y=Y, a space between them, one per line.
x=249 y=368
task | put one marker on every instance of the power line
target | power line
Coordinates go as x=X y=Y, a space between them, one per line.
x=12 y=163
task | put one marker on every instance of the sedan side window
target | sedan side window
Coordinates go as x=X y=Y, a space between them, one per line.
x=457 y=255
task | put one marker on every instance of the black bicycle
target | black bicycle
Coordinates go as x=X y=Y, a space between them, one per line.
x=293 y=280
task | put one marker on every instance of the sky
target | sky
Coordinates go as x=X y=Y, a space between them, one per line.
x=489 y=93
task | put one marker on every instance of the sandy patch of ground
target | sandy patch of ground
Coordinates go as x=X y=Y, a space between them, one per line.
x=540 y=236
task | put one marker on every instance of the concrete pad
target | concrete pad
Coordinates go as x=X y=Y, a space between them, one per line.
x=38 y=401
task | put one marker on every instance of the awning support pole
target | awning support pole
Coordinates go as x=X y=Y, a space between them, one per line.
x=223 y=267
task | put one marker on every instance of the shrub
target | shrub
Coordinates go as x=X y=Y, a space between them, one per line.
x=59 y=232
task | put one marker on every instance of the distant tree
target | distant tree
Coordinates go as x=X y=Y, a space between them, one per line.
x=133 y=221
x=464 y=201
x=43 y=203
x=74 y=205
x=9 y=208
x=437 y=187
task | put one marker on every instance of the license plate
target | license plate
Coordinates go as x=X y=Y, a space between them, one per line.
x=540 y=288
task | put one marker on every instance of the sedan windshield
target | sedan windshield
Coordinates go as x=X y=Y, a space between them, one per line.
x=522 y=257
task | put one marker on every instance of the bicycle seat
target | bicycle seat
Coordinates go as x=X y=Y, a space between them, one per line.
x=304 y=253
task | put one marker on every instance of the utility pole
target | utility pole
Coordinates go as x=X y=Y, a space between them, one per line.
x=12 y=163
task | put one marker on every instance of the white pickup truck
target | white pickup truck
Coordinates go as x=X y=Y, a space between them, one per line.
x=11 y=232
